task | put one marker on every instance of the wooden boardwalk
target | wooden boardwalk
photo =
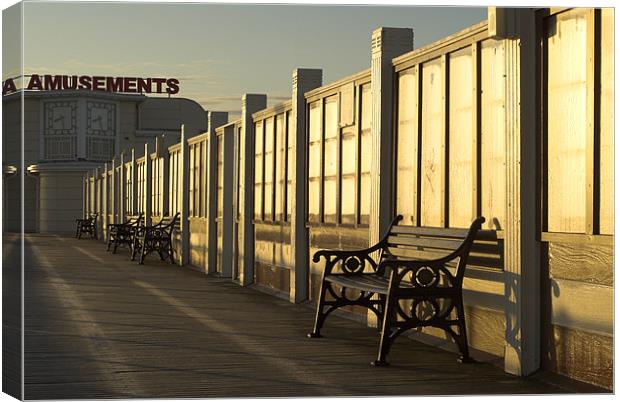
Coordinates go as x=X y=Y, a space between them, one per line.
x=100 y=326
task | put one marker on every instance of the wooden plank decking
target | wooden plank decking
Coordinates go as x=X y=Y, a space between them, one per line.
x=100 y=326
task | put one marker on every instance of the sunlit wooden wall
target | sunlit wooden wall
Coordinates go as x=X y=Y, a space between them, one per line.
x=577 y=192
x=449 y=163
x=272 y=203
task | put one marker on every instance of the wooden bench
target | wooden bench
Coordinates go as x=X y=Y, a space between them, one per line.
x=86 y=225
x=157 y=237
x=412 y=278
x=123 y=233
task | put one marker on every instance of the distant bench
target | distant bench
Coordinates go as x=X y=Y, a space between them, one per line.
x=86 y=225
x=415 y=280
x=158 y=238
x=123 y=233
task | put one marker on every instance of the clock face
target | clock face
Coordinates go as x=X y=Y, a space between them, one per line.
x=101 y=118
x=60 y=118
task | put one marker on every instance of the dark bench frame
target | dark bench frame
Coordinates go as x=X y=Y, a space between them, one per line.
x=432 y=285
x=157 y=238
x=86 y=225
x=123 y=233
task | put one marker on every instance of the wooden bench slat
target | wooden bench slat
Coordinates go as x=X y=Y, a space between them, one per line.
x=430 y=231
x=369 y=283
x=425 y=242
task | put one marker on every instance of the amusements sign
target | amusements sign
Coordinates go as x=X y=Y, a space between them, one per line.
x=49 y=82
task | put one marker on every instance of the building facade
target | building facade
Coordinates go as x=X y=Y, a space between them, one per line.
x=66 y=134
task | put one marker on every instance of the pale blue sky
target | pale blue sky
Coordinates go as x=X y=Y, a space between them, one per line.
x=220 y=51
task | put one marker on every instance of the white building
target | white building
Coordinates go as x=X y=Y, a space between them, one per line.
x=66 y=134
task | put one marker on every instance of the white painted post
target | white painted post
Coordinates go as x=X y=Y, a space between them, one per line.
x=304 y=80
x=148 y=207
x=97 y=202
x=521 y=249
x=251 y=103
x=165 y=209
x=104 y=202
x=387 y=43
x=227 y=219
x=121 y=190
x=184 y=203
x=85 y=197
x=134 y=187
x=113 y=190
x=214 y=120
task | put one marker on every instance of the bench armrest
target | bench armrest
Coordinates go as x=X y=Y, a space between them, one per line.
x=353 y=261
x=426 y=274
x=155 y=231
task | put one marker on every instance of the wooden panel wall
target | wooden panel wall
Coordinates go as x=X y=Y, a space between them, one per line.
x=450 y=167
x=314 y=160
x=462 y=138
x=174 y=189
x=365 y=157
x=157 y=186
x=607 y=123
x=330 y=160
x=433 y=151
x=272 y=249
x=407 y=146
x=258 y=169
x=268 y=175
x=493 y=139
x=566 y=106
x=451 y=137
x=578 y=194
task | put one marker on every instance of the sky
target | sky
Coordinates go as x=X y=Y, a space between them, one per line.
x=217 y=51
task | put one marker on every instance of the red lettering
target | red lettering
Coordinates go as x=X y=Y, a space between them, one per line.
x=114 y=84
x=69 y=85
x=35 y=82
x=129 y=85
x=144 y=85
x=98 y=83
x=8 y=87
x=85 y=82
x=173 y=86
x=159 y=82
x=52 y=82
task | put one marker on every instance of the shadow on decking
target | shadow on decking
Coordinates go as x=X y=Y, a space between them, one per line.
x=100 y=326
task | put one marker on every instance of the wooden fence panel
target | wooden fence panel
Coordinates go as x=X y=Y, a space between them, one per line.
x=492 y=127
x=462 y=139
x=433 y=144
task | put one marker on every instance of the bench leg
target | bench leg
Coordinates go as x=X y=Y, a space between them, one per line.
x=386 y=332
x=170 y=252
x=320 y=316
x=142 y=252
x=461 y=339
x=134 y=249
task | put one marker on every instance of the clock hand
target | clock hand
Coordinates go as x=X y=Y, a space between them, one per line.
x=99 y=120
x=60 y=118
